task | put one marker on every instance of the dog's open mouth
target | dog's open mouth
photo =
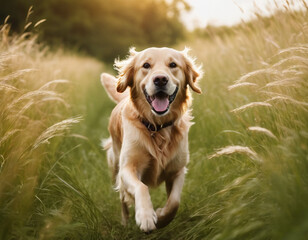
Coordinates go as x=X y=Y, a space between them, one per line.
x=160 y=101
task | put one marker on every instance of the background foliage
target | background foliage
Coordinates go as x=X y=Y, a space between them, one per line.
x=102 y=28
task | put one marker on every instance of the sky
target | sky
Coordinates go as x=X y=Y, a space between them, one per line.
x=229 y=12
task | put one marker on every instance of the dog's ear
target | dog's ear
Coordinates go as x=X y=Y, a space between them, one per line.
x=192 y=71
x=126 y=71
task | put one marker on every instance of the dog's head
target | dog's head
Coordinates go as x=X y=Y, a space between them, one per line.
x=158 y=78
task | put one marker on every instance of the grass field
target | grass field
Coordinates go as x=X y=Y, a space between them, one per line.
x=247 y=176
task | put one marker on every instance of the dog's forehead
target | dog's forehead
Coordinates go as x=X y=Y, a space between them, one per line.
x=159 y=54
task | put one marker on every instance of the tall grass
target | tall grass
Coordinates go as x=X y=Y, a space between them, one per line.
x=36 y=120
x=247 y=176
x=255 y=108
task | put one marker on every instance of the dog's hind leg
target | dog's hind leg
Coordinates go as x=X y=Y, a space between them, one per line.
x=112 y=157
x=125 y=212
x=113 y=164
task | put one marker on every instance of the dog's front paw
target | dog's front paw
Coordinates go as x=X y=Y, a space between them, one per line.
x=146 y=219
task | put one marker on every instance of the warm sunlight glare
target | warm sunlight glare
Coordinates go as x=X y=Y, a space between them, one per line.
x=230 y=12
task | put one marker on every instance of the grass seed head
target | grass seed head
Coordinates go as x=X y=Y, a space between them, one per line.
x=236 y=149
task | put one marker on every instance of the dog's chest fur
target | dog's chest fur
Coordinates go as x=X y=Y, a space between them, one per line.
x=166 y=152
x=162 y=149
x=159 y=153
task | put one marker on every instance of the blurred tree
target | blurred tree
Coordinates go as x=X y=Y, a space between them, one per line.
x=103 y=28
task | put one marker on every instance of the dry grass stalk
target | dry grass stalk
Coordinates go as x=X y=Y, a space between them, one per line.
x=268 y=71
x=301 y=49
x=32 y=95
x=288 y=99
x=236 y=149
x=285 y=82
x=39 y=22
x=16 y=74
x=238 y=182
x=4 y=86
x=55 y=130
x=242 y=84
x=57 y=81
x=8 y=134
x=299 y=66
x=55 y=99
x=273 y=70
x=291 y=59
x=23 y=109
x=250 y=105
x=262 y=130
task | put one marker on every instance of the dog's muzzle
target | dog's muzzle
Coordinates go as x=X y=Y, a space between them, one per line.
x=160 y=101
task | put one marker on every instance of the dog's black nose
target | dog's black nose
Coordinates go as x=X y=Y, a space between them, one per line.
x=160 y=80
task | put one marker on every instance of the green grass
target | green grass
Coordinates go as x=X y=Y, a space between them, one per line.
x=247 y=176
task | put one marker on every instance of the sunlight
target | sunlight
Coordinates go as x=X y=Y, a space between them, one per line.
x=230 y=12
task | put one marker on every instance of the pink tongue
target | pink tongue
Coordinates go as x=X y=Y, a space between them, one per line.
x=160 y=104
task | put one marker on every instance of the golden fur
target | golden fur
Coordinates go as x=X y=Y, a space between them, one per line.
x=140 y=158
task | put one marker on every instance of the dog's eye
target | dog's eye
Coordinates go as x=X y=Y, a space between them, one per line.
x=173 y=65
x=146 y=65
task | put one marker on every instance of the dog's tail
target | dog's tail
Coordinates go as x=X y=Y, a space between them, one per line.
x=110 y=84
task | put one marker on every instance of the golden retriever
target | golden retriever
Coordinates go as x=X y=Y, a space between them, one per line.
x=149 y=129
